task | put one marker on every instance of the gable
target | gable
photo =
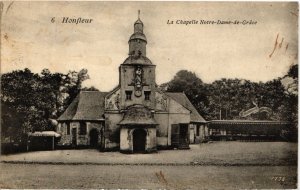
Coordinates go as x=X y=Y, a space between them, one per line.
x=113 y=99
x=70 y=111
x=165 y=103
x=176 y=107
x=182 y=99
x=161 y=101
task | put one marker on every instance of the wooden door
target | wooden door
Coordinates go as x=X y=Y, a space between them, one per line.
x=184 y=140
x=175 y=135
x=139 y=140
x=74 y=136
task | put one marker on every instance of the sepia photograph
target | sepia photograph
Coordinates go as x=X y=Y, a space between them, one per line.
x=149 y=95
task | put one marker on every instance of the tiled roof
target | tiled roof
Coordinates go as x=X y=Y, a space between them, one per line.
x=138 y=35
x=137 y=60
x=247 y=122
x=88 y=105
x=182 y=99
x=138 y=115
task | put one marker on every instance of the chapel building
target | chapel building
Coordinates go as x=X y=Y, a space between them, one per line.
x=135 y=116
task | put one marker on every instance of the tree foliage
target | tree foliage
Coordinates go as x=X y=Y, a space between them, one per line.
x=226 y=98
x=29 y=101
x=92 y=88
x=293 y=71
x=188 y=82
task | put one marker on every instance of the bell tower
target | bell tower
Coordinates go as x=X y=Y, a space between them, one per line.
x=137 y=73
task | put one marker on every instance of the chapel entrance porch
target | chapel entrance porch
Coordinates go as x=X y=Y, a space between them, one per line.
x=138 y=130
x=138 y=139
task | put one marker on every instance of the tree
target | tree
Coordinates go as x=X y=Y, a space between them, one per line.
x=223 y=98
x=20 y=93
x=92 y=88
x=188 y=82
x=288 y=110
x=293 y=71
x=33 y=100
x=11 y=122
x=73 y=84
x=226 y=98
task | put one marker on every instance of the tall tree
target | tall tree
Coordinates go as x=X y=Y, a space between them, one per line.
x=74 y=83
x=34 y=99
x=188 y=82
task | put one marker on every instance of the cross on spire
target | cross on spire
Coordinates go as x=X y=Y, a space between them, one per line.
x=139 y=12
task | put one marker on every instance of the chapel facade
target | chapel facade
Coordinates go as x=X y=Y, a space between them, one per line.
x=135 y=116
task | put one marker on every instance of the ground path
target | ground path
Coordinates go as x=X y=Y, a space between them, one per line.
x=217 y=153
x=150 y=177
x=218 y=165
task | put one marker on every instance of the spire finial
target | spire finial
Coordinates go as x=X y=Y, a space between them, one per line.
x=139 y=12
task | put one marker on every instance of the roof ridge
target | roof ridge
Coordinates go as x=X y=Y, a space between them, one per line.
x=88 y=91
x=112 y=91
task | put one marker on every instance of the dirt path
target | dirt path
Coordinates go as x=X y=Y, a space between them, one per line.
x=153 y=177
x=217 y=153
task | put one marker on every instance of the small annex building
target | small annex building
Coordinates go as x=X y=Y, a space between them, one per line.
x=198 y=125
x=135 y=116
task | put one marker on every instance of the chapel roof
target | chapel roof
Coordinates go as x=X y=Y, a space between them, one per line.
x=138 y=115
x=138 y=35
x=137 y=60
x=182 y=99
x=88 y=105
x=236 y=121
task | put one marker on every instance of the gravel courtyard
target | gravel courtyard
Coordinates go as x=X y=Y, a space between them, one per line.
x=216 y=153
x=40 y=176
x=217 y=165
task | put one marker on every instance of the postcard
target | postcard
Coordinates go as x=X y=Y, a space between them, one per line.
x=149 y=95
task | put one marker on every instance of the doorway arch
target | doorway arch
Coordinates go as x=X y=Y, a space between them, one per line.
x=94 y=137
x=139 y=140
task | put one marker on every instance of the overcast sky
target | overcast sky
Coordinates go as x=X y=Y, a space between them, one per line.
x=29 y=39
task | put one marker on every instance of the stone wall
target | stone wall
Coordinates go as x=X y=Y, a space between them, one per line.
x=202 y=136
x=112 y=130
x=65 y=139
x=151 y=140
x=81 y=139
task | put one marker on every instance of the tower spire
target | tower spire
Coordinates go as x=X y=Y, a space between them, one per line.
x=137 y=41
x=138 y=25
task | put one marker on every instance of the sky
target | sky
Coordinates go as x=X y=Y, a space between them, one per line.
x=30 y=40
